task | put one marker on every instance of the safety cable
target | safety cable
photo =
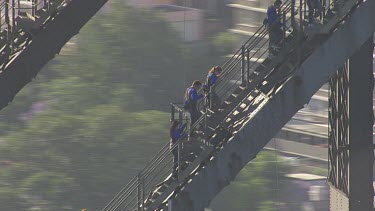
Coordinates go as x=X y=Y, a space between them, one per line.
x=277 y=176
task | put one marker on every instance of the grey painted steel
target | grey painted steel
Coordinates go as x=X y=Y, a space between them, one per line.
x=351 y=131
x=361 y=119
x=44 y=46
x=263 y=124
x=338 y=174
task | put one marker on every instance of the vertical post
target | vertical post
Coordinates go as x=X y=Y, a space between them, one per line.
x=13 y=22
x=293 y=13
x=205 y=130
x=284 y=26
x=324 y=6
x=300 y=32
x=179 y=148
x=180 y=115
x=143 y=194
x=170 y=204
x=7 y=20
x=243 y=64
x=7 y=12
x=210 y=99
x=46 y=5
x=18 y=7
x=1 y=8
x=33 y=3
x=172 y=112
x=248 y=69
x=327 y=9
x=138 y=192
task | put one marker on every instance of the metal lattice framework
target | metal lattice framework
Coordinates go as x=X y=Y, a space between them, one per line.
x=338 y=139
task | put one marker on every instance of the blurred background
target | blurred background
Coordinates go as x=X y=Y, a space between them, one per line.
x=99 y=111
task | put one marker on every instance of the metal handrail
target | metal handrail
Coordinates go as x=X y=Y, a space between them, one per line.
x=146 y=170
x=163 y=156
x=128 y=188
x=12 y=9
x=251 y=43
x=248 y=69
x=247 y=43
x=150 y=166
x=249 y=48
x=152 y=169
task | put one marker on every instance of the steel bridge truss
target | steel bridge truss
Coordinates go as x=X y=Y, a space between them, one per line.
x=222 y=140
x=350 y=151
x=338 y=134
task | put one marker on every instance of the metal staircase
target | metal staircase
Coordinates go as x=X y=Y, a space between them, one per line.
x=257 y=100
x=31 y=33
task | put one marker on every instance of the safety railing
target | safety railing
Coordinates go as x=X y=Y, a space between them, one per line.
x=254 y=45
x=149 y=181
x=134 y=195
x=10 y=31
x=178 y=113
x=140 y=188
x=237 y=69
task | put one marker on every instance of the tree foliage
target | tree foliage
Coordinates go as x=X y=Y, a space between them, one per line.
x=255 y=187
x=92 y=133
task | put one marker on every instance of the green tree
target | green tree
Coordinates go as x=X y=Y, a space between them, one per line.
x=131 y=46
x=254 y=187
x=94 y=134
x=11 y=200
x=224 y=42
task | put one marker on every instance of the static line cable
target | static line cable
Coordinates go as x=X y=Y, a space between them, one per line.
x=184 y=65
x=277 y=177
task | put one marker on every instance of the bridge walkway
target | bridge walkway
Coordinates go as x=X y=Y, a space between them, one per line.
x=257 y=101
x=32 y=33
